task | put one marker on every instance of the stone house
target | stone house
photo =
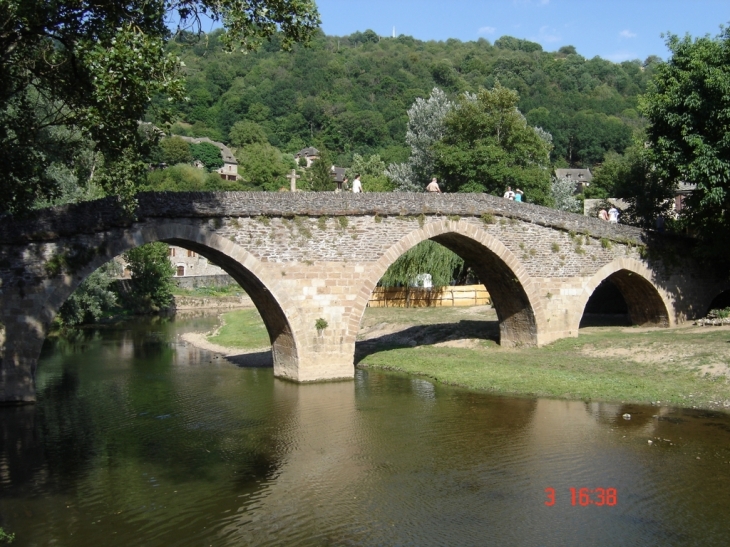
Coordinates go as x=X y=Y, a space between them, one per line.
x=229 y=171
x=309 y=154
x=581 y=177
x=188 y=263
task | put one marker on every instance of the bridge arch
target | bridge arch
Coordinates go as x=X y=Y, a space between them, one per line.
x=275 y=306
x=514 y=295
x=647 y=305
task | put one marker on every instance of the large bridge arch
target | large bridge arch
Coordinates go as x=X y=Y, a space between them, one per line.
x=647 y=304
x=273 y=303
x=519 y=310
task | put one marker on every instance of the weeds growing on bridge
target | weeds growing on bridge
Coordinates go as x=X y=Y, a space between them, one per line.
x=302 y=224
x=488 y=218
x=321 y=324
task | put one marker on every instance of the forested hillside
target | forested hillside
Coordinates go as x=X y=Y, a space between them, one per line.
x=351 y=94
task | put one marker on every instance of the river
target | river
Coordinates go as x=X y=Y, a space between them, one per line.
x=140 y=439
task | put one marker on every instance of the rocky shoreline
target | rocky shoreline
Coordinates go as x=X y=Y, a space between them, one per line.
x=715 y=318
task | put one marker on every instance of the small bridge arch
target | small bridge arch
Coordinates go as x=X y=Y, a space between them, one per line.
x=513 y=293
x=647 y=304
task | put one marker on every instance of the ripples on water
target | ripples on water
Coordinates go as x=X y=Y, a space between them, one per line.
x=138 y=439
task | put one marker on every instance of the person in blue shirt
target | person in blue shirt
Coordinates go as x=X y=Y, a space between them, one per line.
x=518 y=195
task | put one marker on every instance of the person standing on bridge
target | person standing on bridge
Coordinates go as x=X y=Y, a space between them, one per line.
x=356 y=185
x=433 y=186
x=613 y=215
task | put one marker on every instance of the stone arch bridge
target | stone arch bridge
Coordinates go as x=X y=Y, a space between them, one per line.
x=306 y=256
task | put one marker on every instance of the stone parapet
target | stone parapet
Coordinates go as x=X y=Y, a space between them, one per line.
x=100 y=215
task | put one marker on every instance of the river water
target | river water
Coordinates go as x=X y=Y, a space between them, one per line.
x=139 y=439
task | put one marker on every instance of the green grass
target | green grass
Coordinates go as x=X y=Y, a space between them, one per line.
x=686 y=367
x=591 y=367
x=230 y=290
x=242 y=329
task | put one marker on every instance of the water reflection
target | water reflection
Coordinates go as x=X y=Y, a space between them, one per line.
x=140 y=439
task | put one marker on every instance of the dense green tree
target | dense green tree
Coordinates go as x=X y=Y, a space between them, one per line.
x=175 y=150
x=246 y=132
x=425 y=128
x=426 y=257
x=352 y=96
x=688 y=108
x=372 y=171
x=98 y=65
x=208 y=154
x=151 y=277
x=263 y=166
x=186 y=178
x=632 y=177
x=92 y=299
x=516 y=44
x=319 y=173
x=488 y=145
x=562 y=190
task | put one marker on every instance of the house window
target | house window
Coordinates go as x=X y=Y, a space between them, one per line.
x=181 y=271
x=191 y=253
x=172 y=251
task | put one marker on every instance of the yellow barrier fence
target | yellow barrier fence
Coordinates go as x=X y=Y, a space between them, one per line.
x=412 y=297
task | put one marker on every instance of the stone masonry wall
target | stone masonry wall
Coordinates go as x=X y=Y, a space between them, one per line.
x=307 y=256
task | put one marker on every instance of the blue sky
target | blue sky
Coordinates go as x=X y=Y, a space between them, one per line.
x=617 y=30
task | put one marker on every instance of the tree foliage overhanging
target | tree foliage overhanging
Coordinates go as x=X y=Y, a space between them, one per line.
x=688 y=110
x=152 y=275
x=93 y=69
x=488 y=145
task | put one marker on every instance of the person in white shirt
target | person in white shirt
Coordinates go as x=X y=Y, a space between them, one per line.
x=509 y=194
x=613 y=215
x=433 y=186
x=356 y=185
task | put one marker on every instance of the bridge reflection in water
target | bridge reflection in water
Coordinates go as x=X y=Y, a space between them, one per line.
x=138 y=438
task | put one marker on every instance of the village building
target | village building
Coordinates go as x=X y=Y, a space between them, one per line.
x=229 y=171
x=309 y=154
x=338 y=175
x=188 y=263
x=185 y=262
x=581 y=177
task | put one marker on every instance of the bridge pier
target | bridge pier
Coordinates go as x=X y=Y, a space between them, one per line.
x=21 y=339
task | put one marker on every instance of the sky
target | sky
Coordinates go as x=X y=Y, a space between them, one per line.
x=617 y=30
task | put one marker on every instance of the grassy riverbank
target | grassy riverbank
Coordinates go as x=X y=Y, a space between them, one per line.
x=687 y=366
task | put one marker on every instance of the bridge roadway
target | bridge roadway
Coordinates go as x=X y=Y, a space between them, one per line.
x=306 y=256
